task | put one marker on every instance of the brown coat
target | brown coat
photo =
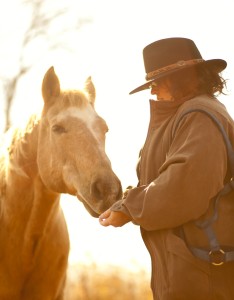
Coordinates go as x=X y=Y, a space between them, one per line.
x=178 y=175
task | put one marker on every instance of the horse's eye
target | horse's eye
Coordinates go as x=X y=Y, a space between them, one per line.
x=58 y=129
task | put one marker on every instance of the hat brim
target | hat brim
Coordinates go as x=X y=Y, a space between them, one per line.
x=218 y=65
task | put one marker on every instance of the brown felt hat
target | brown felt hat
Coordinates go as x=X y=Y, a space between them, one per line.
x=171 y=55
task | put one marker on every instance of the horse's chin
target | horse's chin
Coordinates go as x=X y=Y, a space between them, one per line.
x=89 y=209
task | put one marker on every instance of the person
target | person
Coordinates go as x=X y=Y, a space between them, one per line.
x=182 y=166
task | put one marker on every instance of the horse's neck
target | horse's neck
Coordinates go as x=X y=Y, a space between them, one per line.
x=26 y=200
x=27 y=208
x=44 y=209
x=45 y=204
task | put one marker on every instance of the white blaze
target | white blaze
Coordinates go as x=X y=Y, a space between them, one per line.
x=86 y=115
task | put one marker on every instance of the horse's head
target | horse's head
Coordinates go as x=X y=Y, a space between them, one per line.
x=71 y=146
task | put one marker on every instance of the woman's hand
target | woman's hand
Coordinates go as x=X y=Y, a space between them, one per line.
x=114 y=218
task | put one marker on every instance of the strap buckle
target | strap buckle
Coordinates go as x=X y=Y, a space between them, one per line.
x=217 y=257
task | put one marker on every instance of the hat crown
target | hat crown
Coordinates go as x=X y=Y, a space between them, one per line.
x=169 y=51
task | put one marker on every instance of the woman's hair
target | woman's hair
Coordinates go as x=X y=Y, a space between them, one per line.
x=196 y=81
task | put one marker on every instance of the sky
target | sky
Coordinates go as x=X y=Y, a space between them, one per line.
x=110 y=50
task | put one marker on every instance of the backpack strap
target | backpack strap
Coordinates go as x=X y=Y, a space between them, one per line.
x=215 y=255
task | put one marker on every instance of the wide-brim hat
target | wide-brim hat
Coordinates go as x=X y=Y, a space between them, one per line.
x=171 y=55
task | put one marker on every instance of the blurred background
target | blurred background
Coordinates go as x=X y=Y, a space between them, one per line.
x=104 y=39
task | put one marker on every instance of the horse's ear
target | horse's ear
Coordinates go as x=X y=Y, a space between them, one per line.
x=50 y=85
x=90 y=89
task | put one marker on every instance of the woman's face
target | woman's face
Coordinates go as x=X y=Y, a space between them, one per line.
x=161 y=90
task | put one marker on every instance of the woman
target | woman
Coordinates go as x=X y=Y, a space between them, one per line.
x=183 y=165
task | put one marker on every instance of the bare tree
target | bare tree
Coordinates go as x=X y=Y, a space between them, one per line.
x=47 y=25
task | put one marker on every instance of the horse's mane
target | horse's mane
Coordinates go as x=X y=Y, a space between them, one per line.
x=13 y=146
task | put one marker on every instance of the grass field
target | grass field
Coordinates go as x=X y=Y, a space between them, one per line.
x=94 y=282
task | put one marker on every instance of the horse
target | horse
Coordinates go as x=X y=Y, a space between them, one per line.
x=60 y=151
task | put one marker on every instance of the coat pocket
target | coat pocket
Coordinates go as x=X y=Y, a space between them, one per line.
x=188 y=276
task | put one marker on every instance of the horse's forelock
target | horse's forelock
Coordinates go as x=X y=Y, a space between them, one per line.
x=75 y=98
x=69 y=98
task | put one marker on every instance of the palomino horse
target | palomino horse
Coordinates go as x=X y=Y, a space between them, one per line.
x=61 y=152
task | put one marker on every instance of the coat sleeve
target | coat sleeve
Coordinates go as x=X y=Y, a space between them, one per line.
x=193 y=173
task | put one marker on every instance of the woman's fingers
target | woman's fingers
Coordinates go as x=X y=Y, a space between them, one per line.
x=103 y=218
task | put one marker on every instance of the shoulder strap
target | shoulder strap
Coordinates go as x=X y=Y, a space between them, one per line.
x=215 y=254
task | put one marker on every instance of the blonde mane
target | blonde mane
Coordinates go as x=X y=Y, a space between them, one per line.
x=14 y=147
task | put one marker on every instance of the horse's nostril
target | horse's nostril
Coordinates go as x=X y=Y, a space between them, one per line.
x=104 y=189
x=97 y=189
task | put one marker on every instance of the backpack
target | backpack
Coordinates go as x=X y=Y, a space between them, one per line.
x=216 y=254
